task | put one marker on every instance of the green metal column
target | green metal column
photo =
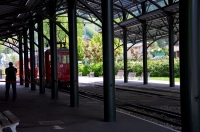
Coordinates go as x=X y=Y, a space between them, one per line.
x=125 y=49
x=27 y=77
x=108 y=61
x=20 y=60
x=41 y=56
x=53 y=49
x=144 y=41
x=74 y=98
x=171 y=50
x=190 y=64
x=32 y=58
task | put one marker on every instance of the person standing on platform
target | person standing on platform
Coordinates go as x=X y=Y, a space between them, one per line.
x=11 y=72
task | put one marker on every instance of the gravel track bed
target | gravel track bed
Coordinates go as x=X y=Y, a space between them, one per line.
x=145 y=99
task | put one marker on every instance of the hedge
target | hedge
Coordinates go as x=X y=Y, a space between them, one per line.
x=157 y=67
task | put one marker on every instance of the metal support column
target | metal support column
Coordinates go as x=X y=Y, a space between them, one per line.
x=144 y=41
x=53 y=48
x=74 y=98
x=41 y=57
x=27 y=76
x=190 y=64
x=108 y=61
x=125 y=49
x=32 y=58
x=171 y=50
x=20 y=60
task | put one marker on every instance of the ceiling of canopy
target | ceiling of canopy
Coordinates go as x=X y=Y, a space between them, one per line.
x=15 y=15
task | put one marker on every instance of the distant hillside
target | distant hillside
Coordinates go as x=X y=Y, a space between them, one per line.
x=91 y=29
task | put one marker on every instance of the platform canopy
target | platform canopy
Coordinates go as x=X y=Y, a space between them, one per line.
x=15 y=15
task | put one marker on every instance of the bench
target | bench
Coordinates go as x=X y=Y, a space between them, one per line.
x=8 y=119
x=141 y=76
x=120 y=74
x=80 y=74
x=91 y=74
x=132 y=75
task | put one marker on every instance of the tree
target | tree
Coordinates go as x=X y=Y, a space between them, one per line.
x=79 y=27
x=46 y=30
x=81 y=44
x=93 y=49
x=155 y=45
x=2 y=47
x=135 y=54
x=62 y=20
x=161 y=43
x=117 y=47
x=61 y=35
x=87 y=52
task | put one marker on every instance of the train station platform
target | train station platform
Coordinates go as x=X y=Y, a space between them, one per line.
x=152 y=84
x=39 y=113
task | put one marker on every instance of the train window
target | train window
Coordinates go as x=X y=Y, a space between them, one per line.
x=65 y=59
x=58 y=58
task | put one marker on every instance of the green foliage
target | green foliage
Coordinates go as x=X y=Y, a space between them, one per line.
x=86 y=69
x=61 y=35
x=80 y=67
x=119 y=66
x=161 y=43
x=79 y=27
x=157 y=67
x=118 y=47
x=93 y=49
x=155 y=45
x=46 y=30
x=97 y=69
x=136 y=66
x=96 y=39
x=81 y=44
x=2 y=48
x=176 y=68
x=63 y=21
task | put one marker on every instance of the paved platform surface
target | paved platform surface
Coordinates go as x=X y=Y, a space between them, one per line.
x=39 y=113
x=153 y=84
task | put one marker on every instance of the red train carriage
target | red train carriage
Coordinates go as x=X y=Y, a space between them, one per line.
x=29 y=69
x=63 y=67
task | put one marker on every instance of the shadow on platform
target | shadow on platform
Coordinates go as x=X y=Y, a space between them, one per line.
x=39 y=113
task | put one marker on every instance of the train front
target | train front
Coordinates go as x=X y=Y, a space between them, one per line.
x=63 y=67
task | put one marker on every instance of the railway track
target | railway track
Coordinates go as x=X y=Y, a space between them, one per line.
x=160 y=116
x=160 y=94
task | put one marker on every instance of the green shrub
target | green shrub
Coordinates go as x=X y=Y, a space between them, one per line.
x=119 y=66
x=157 y=67
x=86 y=69
x=176 y=68
x=97 y=69
x=80 y=67
x=160 y=67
